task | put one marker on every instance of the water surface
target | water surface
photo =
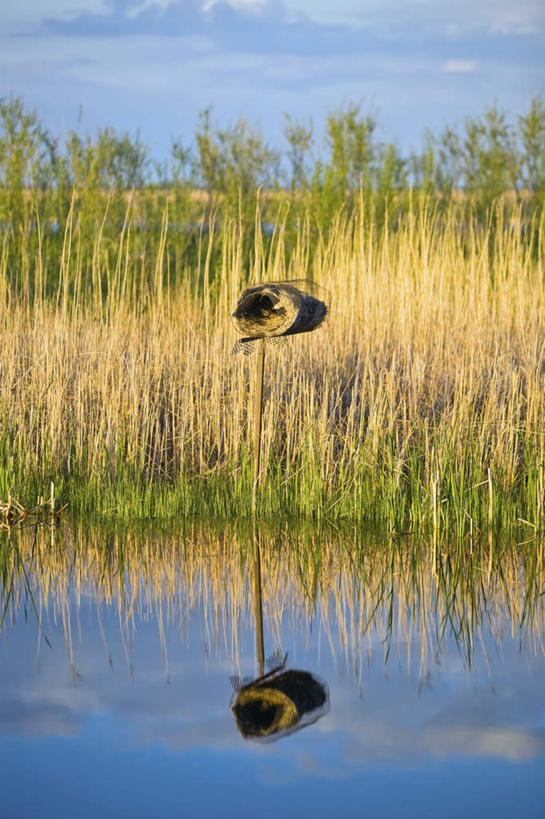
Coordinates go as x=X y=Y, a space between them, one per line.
x=123 y=656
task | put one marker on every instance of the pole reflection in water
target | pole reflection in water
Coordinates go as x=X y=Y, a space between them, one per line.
x=281 y=700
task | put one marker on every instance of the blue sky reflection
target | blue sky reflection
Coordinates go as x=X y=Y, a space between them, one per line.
x=145 y=722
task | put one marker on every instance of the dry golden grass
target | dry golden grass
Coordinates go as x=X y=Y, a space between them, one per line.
x=429 y=372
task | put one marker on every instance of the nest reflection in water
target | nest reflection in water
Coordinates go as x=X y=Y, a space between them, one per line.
x=280 y=703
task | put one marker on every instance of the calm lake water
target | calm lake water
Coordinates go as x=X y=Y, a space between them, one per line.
x=411 y=687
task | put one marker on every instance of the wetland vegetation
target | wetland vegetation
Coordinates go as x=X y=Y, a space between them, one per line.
x=392 y=567
x=418 y=406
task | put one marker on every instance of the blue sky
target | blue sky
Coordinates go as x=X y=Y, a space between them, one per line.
x=153 y=64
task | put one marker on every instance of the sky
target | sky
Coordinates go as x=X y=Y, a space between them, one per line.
x=152 y=65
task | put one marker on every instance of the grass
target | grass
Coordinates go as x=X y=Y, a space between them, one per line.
x=419 y=405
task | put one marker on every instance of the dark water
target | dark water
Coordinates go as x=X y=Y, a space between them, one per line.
x=122 y=658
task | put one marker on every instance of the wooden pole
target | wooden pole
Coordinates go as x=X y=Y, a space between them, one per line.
x=258 y=416
x=258 y=602
x=435 y=519
x=490 y=500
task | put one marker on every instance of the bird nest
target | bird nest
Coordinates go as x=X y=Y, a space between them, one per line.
x=279 y=309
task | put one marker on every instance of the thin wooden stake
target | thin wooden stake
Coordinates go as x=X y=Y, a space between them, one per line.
x=490 y=519
x=258 y=602
x=258 y=417
x=539 y=503
x=434 y=496
x=490 y=499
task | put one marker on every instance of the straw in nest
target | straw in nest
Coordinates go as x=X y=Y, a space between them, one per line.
x=263 y=711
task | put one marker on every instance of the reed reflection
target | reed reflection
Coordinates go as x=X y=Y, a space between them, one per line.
x=371 y=600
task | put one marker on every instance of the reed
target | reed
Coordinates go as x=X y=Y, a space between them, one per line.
x=419 y=404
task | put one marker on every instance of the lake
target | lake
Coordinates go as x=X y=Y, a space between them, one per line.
x=221 y=672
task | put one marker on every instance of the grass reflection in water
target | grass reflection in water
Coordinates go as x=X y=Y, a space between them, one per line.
x=367 y=597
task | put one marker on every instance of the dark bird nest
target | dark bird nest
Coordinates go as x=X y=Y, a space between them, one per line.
x=279 y=309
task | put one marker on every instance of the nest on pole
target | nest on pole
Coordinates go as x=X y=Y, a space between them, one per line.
x=278 y=309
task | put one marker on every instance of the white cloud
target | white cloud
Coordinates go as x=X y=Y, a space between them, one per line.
x=247 y=5
x=31 y=11
x=460 y=66
x=494 y=16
